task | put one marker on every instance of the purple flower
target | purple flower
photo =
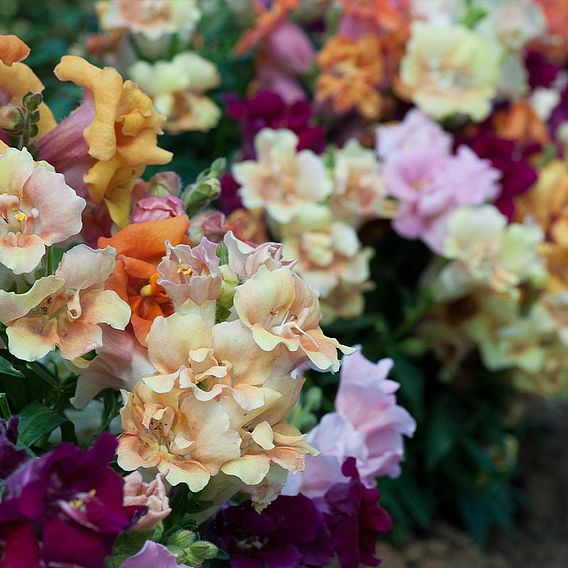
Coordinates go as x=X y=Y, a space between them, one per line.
x=65 y=507
x=289 y=533
x=541 y=72
x=517 y=176
x=152 y=555
x=268 y=110
x=355 y=519
x=10 y=456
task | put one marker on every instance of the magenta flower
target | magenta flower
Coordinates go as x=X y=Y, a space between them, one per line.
x=64 y=508
x=289 y=533
x=355 y=519
x=10 y=456
x=156 y=208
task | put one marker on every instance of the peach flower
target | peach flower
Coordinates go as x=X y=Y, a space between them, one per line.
x=37 y=207
x=188 y=440
x=64 y=309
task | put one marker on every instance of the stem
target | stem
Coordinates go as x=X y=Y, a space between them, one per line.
x=4 y=407
x=49 y=261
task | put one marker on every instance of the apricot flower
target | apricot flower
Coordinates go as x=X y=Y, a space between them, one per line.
x=281 y=180
x=151 y=495
x=37 y=209
x=281 y=309
x=108 y=141
x=64 y=309
x=186 y=439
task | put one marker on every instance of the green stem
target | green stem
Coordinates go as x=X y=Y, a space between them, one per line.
x=4 y=407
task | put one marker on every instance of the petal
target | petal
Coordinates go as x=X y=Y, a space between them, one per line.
x=104 y=306
x=21 y=253
x=13 y=306
x=250 y=469
x=31 y=339
x=12 y=49
x=83 y=267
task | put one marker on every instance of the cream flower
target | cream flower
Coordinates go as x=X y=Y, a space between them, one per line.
x=281 y=180
x=65 y=309
x=450 y=69
x=188 y=440
x=177 y=88
x=488 y=253
x=359 y=193
x=150 y=18
x=329 y=255
x=281 y=309
x=37 y=209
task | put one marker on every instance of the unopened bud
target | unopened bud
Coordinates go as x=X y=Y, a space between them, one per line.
x=32 y=101
x=199 y=552
x=164 y=184
x=11 y=117
x=180 y=541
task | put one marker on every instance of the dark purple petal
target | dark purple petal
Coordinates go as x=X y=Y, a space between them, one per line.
x=10 y=456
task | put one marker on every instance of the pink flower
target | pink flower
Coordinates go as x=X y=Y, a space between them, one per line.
x=289 y=48
x=431 y=184
x=156 y=208
x=368 y=425
x=190 y=273
x=151 y=495
x=416 y=131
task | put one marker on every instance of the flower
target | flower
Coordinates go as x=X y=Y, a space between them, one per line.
x=177 y=88
x=150 y=18
x=64 y=309
x=355 y=519
x=359 y=193
x=157 y=208
x=517 y=175
x=139 y=250
x=10 y=456
x=281 y=179
x=378 y=15
x=450 y=69
x=488 y=253
x=280 y=309
x=268 y=109
x=188 y=440
x=104 y=145
x=190 y=273
x=367 y=425
x=351 y=72
x=416 y=131
x=151 y=555
x=290 y=532
x=119 y=363
x=37 y=207
x=330 y=258
x=64 y=508
x=430 y=186
x=17 y=80
x=150 y=495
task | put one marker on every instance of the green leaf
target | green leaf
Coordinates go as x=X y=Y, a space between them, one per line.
x=36 y=422
x=442 y=435
x=412 y=384
x=7 y=369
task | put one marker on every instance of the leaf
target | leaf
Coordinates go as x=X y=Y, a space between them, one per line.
x=412 y=384
x=36 y=422
x=443 y=433
x=7 y=369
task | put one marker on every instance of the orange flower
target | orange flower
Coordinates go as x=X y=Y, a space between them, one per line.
x=266 y=20
x=555 y=44
x=17 y=79
x=351 y=71
x=389 y=15
x=120 y=131
x=139 y=249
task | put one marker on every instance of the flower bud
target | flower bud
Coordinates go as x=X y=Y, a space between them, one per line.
x=11 y=117
x=180 y=542
x=199 y=552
